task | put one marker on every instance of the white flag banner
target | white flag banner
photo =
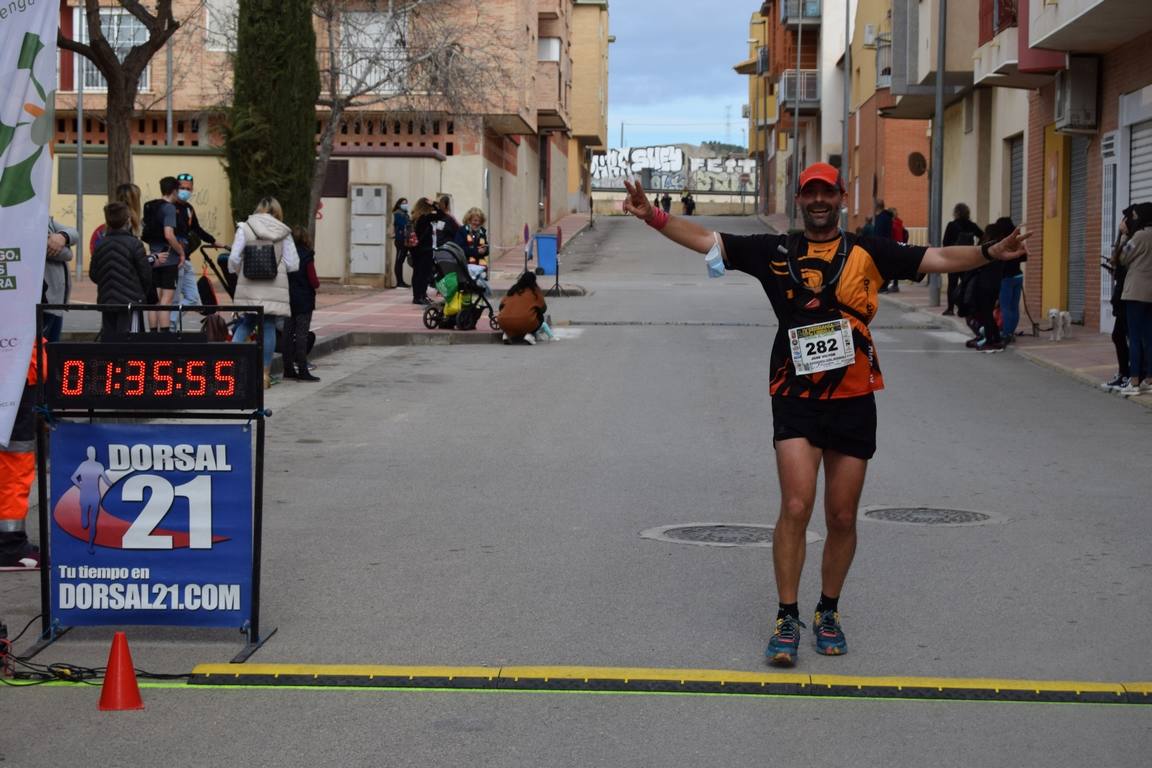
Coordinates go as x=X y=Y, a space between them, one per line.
x=27 y=93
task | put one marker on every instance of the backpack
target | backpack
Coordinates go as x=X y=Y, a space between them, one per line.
x=261 y=258
x=153 y=222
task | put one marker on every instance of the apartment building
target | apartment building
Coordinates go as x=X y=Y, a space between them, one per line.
x=512 y=150
x=887 y=159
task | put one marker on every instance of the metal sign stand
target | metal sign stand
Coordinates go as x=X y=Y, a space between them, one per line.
x=52 y=629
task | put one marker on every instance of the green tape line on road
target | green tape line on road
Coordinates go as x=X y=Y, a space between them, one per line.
x=668 y=681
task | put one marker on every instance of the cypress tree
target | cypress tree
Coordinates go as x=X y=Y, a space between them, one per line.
x=270 y=142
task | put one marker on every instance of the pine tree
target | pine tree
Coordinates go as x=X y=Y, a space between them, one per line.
x=270 y=143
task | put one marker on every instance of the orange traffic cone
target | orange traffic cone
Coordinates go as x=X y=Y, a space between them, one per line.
x=120 y=690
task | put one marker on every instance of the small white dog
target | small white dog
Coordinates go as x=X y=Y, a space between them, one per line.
x=1060 y=323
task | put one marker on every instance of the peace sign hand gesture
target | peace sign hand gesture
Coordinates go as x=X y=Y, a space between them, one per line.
x=1011 y=247
x=637 y=202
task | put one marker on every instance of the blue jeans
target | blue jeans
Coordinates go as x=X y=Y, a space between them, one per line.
x=1011 y=288
x=186 y=291
x=53 y=324
x=1140 y=339
x=244 y=327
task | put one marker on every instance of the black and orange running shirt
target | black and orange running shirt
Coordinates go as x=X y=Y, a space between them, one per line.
x=795 y=287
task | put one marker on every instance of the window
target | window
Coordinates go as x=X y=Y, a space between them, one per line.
x=220 y=24
x=548 y=49
x=373 y=52
x=122 y=30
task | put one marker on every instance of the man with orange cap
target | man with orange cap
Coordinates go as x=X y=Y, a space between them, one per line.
x=823 y=287
x=17 y=471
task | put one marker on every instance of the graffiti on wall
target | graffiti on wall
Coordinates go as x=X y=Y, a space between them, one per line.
x=671 y=168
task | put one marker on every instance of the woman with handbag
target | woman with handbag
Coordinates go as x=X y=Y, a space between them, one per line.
x=402 y=232
x=263 y=254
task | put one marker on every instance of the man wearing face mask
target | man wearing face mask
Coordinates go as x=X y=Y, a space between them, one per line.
x=191 y=235
x=822 y=285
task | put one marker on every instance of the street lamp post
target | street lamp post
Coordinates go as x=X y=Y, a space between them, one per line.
x=936 y=180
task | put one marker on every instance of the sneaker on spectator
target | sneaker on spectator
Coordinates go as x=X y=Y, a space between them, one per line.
x=973 y=343
x=529 y=338
x=25 y=557
x=991 y=348
x=1115 y=384
x=1130 y=389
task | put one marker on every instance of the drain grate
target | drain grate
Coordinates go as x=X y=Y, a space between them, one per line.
x=718 y=534
x=928 y=516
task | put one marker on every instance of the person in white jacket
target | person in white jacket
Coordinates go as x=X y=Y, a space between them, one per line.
x=265 y=225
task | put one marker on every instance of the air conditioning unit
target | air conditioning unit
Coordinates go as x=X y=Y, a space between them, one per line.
x=1076 y=95
x=869 y=35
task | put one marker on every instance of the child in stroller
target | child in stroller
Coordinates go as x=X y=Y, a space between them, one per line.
x=463 y=300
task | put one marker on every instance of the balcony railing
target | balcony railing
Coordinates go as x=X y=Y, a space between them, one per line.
x=804 y=83
x=801 y=11
x=995 y=17
x=374 y=70
x=883 y=61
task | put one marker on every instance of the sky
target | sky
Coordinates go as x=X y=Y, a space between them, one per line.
x=670 y=76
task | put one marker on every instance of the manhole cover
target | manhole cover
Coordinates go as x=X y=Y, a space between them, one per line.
x=927 y=516
x=718 y=534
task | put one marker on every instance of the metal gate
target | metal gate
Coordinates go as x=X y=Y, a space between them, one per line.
x=1076 y=222
x=1140 y=169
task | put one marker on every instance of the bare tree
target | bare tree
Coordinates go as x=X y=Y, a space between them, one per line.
x=410 y=57
x=122 y=75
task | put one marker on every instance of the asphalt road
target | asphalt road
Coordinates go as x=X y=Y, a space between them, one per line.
x=482 y=505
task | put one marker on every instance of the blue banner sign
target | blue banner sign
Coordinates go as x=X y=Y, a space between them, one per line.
x=151 y=524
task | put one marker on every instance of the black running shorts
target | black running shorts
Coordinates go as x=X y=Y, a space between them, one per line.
x=165 y=277
x=846 y=425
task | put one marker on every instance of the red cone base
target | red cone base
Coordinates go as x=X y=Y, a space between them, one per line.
x=120 y=690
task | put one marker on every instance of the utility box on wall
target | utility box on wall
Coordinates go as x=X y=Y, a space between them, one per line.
x=368 y=231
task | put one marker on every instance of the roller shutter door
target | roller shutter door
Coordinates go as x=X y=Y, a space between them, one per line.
x=1016 y=179
x=1140 y=173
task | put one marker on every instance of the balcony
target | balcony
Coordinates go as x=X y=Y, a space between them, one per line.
x=883 y=61
x=796 y=12
x=548 y=9
x=997 y=63
x=373 y=71
x=995 y=17
x=551 y=97
x=1086 y=26
x=799 y=88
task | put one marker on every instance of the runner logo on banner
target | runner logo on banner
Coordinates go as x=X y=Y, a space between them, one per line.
x=151 y=524
x=27 y=76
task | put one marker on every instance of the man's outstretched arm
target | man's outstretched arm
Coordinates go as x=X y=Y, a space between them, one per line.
x=677 y=229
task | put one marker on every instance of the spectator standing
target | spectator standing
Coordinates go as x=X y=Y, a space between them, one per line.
x=119 y=267
x=986 y=290
x=960 y=231
x=434 y=227
x=265 y=227
x=666 y=202
x=164 y=248
x=191 y=235
x=472 y=238
x=129 y=194
x=17 y=471
x=900 y=235
x=1136 y=258
x=401 y=226
x=57 y=281
x=1011 y=289
x=1129 y=223
x=302 y=285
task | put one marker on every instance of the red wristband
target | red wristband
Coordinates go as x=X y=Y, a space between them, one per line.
x=659 y=219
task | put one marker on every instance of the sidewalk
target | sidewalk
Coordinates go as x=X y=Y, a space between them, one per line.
x=387 y=314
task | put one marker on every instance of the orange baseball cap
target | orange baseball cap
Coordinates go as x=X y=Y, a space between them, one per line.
x=821 y=172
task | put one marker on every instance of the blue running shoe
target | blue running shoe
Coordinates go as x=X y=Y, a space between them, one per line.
x=785 y=642
x=829 y=636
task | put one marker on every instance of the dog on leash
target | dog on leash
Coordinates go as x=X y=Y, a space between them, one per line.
x=1060 y=324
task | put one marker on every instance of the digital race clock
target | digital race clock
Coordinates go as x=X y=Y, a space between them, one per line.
x=173 y=376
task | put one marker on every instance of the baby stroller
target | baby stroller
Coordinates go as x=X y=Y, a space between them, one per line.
x=462 y=302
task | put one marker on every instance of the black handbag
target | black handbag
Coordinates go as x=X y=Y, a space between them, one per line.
x=259 y=262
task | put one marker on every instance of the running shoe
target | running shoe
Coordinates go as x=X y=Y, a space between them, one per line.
x=785 y=643
x=1130 y=389
x=829 y=636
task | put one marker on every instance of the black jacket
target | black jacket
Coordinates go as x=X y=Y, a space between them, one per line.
x=120 y=269
x=426 y=225
x=301 y=294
